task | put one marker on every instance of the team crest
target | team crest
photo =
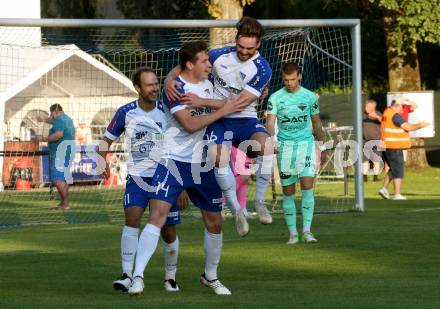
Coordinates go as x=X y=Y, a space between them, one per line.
x=242 y=76
x=302 y=107
x=269 y=106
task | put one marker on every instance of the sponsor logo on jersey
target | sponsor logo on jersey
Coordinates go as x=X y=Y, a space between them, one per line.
x=233 y=90
x=200 y=111
x=294 y=119
x=207 y=91
x=220 y=81
x=284 y=175
x=223 y=66
x=149 y=135
x=146 y=147
x=217 y=200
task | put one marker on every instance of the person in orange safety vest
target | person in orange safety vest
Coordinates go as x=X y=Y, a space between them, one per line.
x=394 y=131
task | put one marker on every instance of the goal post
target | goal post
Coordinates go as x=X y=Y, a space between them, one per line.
x=105 y=52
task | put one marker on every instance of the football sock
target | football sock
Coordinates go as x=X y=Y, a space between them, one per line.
x=226 y=181
x=213 y=248
x=146 y=247
x=171 y=254
x=289 y=210
x=129 y=243
x=307 y=208
x=262 y=176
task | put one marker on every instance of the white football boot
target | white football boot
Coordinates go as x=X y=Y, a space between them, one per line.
x=123 y=283
x=293 y=239
x=137 y=286
x=241 y=223
x=170 y=285
x=263 y=212
x=308 y=237
x=215 y=285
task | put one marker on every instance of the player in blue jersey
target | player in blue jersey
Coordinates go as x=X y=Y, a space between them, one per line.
x=296 y=111
x=143 y=122
x=185 y=168
x=239 y=71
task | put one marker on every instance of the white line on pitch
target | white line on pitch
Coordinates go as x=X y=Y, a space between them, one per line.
x=423 y=209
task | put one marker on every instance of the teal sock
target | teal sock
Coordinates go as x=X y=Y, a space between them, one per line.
x=290 y=213
x=307 y=208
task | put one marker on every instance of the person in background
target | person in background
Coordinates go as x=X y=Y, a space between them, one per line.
x=61 y=134
x=408 y=107
x=394 y=132
x=241 y=168
x=83 y=134
x=371 y=119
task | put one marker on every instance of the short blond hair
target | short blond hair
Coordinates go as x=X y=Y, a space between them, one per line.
x=370 y=101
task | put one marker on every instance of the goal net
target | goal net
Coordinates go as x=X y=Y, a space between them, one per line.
x=88 y=70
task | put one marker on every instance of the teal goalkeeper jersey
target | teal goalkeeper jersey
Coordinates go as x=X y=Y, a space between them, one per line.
x=293 y=111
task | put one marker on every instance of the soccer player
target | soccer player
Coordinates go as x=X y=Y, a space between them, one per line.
x=239 y=71
x=184 y=168
x=294 y=108
x=143 y=122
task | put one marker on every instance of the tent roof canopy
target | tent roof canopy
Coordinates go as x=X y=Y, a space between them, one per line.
x=55 y=71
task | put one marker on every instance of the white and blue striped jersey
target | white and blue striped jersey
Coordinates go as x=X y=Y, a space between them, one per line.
x=231 y=76
x=144 y=133
x=179 y=144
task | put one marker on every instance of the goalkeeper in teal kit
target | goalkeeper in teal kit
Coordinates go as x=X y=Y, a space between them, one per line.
x=296 y=111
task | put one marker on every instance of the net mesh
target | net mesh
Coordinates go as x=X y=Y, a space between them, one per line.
x=88 y=72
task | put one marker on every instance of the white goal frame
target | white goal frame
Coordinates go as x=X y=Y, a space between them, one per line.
x=353 y=24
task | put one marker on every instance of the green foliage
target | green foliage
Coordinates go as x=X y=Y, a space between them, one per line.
x=180 y=9
x=411 y=22
x=68 y=9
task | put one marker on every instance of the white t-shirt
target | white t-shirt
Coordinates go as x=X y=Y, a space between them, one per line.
x=231 y=76
x=179 y=144
x=143 y=136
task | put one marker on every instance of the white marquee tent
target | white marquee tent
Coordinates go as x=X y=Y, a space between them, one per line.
x=33 y=78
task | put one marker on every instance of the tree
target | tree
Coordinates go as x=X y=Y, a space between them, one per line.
x=407 y=23
x=225 y=9
x=150 y=9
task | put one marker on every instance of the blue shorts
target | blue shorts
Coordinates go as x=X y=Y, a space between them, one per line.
x=58 y=166
x=394 y=158
x=172 y=177
x=241 y=128
x=137 y=195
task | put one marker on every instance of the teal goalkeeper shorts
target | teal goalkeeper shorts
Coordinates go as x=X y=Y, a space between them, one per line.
x=296 y=160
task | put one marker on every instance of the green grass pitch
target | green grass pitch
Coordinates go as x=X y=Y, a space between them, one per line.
x=386 y=257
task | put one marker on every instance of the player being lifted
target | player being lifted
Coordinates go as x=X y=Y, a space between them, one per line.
x=294 y=108
x=238 y=71
x=184 y=168
x=143 y=122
